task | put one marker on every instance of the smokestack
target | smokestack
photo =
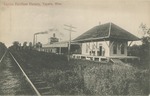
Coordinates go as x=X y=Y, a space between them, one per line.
x=99 y=23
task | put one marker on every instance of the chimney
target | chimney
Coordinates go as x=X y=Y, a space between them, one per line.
x=53 y=34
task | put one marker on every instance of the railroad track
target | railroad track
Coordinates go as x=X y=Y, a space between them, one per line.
x=38 y=85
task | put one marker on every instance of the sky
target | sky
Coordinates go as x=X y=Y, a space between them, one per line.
x=20 y=19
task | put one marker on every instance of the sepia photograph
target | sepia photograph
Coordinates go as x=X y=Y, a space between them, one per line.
x=74 y=47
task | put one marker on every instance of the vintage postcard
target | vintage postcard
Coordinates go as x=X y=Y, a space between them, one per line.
x=74 y=47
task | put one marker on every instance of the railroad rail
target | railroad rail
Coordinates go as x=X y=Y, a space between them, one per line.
x=27 y=78
x=38 y=85
x=3 y=56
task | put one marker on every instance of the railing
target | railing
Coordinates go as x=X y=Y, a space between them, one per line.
x=93 y=58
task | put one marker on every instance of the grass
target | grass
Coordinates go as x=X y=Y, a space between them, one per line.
x=112 y=79
x=55 y=69
x=82 y=77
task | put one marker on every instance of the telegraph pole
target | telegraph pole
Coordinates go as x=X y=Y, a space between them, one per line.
x=33 y=39
x=69 y=29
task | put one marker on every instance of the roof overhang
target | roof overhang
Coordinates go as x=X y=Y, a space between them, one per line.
x=56 y=45
x=106 y=39
x=92 y=39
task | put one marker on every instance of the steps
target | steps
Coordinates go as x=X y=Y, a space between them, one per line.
x=117 y=61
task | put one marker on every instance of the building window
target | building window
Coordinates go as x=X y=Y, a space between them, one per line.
x=87 y=48
x=93 y=45
x=93 y=53
x=103 y=51
x=115 y=48
x=96 y=45
x=122 y=48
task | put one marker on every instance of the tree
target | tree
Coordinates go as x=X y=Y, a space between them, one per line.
x=142 y=51
x=2 y=48
x=145 y=47
x=16 y=44
x=146 y=33
x=30 y=45
x=24 y=45
x=39 y=45
x=19 y=45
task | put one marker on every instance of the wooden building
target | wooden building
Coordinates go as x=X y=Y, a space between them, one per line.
x=61 y=47
x=103 y=42
x=54 y=46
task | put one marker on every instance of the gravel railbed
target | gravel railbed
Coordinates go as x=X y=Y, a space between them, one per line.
x=12 y=81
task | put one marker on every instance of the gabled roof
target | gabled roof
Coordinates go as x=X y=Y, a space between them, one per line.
x=106 y=31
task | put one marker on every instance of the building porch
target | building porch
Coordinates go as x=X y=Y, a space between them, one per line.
x=106 y=58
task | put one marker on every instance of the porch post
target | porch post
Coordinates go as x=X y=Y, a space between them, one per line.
x=111 y=44
x=130 y=43
x=106 y=42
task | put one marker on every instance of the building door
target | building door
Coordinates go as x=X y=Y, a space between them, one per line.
x=100 y=50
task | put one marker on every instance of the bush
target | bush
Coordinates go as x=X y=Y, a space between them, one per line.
x=2 y=49
x=142 y=51
x=113 y=79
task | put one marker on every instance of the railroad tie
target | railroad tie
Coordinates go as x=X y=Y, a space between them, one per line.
x=40 y=82
x=44 y=88
x=37 y=80
x=34 y=78
x=46 y=93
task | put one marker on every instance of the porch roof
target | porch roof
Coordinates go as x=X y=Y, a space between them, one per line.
x=59 y=44
x=108 y=31
x=56 y=44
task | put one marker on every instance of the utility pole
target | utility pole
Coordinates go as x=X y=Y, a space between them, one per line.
x=34 y=36
x=70 y=29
